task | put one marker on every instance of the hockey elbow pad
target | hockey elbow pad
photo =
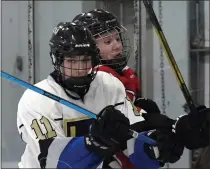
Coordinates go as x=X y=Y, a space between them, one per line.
x=75 y=155
x=67 y=153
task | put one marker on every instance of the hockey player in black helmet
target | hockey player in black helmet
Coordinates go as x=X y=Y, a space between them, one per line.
x=57 y=136
x=114 y=45
x=102 y=24
x=73 y=54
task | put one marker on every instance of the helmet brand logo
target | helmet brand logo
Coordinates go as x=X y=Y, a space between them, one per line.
x=55 y=30
x=82 y=45
x=113 y=20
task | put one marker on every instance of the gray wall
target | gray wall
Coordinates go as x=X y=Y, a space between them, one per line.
x=207 y=56
x=47 y=15
x=175 y=27
x=14 y=43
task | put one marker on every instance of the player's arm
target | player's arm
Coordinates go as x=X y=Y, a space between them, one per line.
x=135 y=152
x=111 y=128
x=161 y=147
x=46 y=138
x=103 y=140
x=68 y=152
x=193 y=135
x=142 y=152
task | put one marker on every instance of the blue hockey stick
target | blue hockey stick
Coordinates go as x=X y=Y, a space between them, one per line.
x=56 y=98
x=47 y=94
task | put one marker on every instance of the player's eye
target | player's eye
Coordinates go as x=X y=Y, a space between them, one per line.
x=107 y=42
x=71 y=61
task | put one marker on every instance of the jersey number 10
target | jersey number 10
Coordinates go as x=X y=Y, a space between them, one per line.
x=50 y=133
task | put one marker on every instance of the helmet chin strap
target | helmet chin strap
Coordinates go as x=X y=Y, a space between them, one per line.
x=69 y=91
x=74 y=88
x=77 y=85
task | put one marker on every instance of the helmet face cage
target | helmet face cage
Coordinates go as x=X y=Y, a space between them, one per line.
x=75 y=66
x=121 y=62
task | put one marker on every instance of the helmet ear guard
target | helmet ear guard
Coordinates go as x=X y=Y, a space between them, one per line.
x=56 y=59
x=96 y=60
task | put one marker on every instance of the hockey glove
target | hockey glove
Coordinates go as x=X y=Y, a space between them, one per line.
x=108 y=132
x=193 y=136
x=170 y=150
x=148 y=105
x=153 y=121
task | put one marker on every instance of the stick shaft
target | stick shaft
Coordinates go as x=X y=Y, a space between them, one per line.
x=169 y=55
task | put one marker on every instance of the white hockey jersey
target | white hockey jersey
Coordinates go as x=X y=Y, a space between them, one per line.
x=39 y=117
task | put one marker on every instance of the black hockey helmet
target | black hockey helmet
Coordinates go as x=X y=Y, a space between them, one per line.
x=100 y=23
x=69 y=40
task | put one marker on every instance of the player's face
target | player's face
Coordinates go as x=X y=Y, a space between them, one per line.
x=76 y=66
x=110 y=45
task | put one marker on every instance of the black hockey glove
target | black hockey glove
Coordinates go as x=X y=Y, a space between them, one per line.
x=153 y=118
x=170 y=150
x=153 y=121
x=108 y=132
x=190 y=135
x=194 y=136
x=148 y=105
